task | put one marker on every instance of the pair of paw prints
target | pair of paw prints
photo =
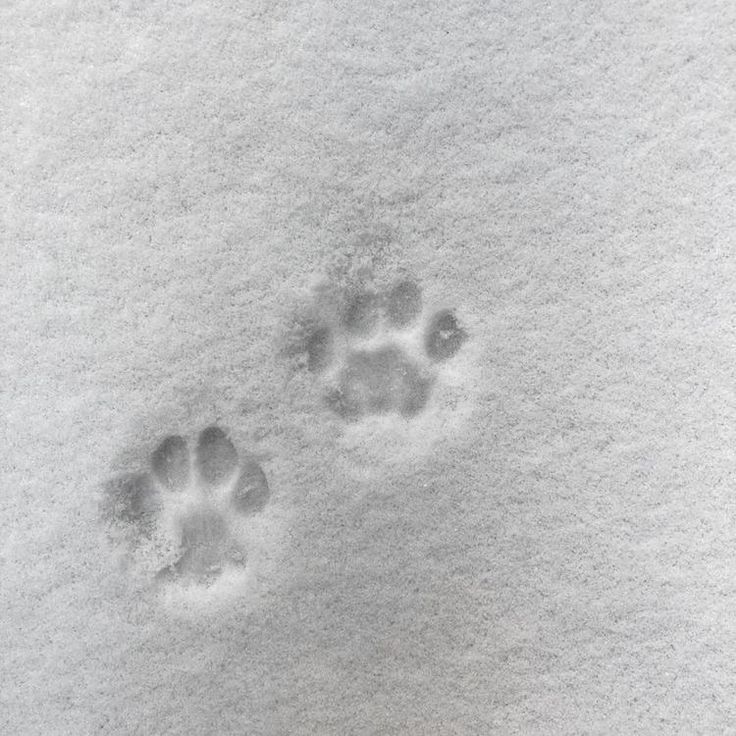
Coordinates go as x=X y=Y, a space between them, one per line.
x=184 y=506
x=189 y=517
x=375 y=351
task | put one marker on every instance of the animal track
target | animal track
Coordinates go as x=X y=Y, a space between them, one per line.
x=373 y=352
x=189 y=500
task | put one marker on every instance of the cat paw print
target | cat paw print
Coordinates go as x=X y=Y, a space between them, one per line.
x=377 y=352
x=182 y=512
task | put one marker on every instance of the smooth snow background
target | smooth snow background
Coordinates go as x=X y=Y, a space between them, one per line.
x=561 y=561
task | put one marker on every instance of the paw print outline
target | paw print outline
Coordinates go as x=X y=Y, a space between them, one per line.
x=376 y=351
x=184 y=506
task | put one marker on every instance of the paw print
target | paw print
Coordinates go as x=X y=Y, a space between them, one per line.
x=183 y=510
x=376 y=351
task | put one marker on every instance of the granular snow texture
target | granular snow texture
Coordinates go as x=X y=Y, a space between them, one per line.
x=242 y=222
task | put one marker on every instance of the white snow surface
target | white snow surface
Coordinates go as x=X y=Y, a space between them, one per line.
x=548 y=548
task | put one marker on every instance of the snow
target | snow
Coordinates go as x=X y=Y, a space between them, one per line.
x=549 y=547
